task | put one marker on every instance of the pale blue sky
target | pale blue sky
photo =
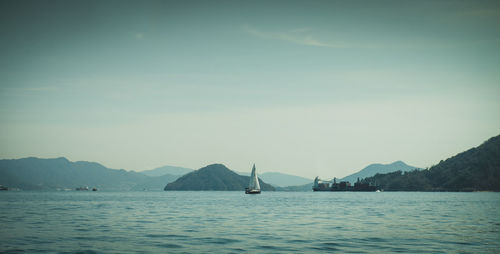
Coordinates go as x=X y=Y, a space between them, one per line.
x=301 y=87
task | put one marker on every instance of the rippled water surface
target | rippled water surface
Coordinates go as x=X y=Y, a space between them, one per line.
x=187 y=222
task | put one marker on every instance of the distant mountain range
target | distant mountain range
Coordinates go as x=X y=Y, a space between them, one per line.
x=277 y=179
x=60 y=173
x=373 y=169
x=214 y=177
x=155 y=183
x=368 y=171
x=303 y=187
x=171 y=170
x=477 y=169
x=281 y=180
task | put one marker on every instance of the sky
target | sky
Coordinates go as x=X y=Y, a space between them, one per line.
x=309 y=88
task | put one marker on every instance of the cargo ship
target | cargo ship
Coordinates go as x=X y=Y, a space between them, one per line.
x=332 y=185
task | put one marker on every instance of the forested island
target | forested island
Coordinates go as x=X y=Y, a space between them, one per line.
x=214 y=177
x=477 y=169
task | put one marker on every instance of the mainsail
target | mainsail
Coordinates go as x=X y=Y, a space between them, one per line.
x=254 y=181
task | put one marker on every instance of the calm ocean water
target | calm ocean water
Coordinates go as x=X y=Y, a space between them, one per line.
x=232 y=222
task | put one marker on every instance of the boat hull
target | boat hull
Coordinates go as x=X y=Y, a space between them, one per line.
x=252 y=191
x=366 y=189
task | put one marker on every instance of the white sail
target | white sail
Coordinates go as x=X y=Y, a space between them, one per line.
x=254 y=181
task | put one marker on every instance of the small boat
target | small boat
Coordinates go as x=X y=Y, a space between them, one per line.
x=3 y=188
x=253 y=185
x=86 y=188
x=94 y=189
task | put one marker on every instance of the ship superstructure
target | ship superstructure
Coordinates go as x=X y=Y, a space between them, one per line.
x=332 y=185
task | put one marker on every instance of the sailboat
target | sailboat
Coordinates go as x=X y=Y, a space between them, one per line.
x=253 y=185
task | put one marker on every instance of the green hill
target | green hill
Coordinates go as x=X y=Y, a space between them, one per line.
x=477 y=169
x=214 y=177
x=171 y=170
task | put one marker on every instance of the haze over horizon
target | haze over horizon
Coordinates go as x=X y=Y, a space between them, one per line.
x=309 y=88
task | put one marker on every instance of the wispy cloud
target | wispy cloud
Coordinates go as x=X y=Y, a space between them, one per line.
x=298 y=36
x=304 y=36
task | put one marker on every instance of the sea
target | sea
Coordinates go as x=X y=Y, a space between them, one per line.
x=232 y=222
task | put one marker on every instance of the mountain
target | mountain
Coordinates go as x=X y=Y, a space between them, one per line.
x=214 y=177
x=282 y=180
x=155 y=183
x=171 y=170
x=304 y=187
x=477 y=169
x=373 y=169
x=60 y=173
x=279 y=179
x=243 y=173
